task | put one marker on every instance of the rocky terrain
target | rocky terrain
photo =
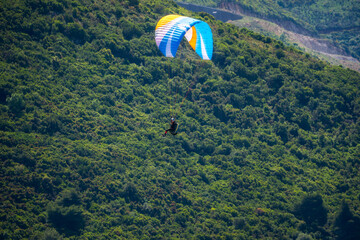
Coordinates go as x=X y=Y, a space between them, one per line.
x=322 y=48
x=285 y=30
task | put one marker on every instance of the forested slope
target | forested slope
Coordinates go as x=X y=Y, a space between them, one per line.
x=268 y=144
x=338 y=21
x=313 y=15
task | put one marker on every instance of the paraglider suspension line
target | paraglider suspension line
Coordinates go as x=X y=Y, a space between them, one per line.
x=186 y=95
x=173 y=105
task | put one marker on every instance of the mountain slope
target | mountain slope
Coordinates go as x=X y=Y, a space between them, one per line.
x=312 y=15
x=320 y=47
x=267 y=133
x=333 y=20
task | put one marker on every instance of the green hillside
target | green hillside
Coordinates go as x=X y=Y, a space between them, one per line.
x=314 y=15
x=268 y=144
x=338 y=21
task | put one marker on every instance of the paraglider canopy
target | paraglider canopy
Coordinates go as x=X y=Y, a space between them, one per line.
x=171 y=29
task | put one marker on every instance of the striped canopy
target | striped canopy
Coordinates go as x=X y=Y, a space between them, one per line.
x=171 y=29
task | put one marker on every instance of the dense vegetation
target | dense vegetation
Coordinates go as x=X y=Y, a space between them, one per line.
x=268 y=145
x=338 y=21
x=312 y=14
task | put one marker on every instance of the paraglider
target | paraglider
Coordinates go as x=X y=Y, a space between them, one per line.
x=173 y=127
x=169 y=32
x=171 y=29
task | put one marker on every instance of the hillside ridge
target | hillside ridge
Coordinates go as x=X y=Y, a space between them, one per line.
x=288 y=24
x=307 y=41
x=316 y=18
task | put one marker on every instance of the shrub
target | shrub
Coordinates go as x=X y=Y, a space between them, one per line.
x=69 y=220
x=239 y=223
x=76 y=32
x=50 y=234
x=303 y=236
x=16 y=103
x=131 y=193
x=69 y=197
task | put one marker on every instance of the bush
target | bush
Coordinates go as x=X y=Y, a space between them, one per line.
x=131 y=193
x=16 y=103
x=68 y=220
x=303 y=236
x=51 y=124
x=65 y=214
x=239 y=223
x=50 y=234
x=76 y=32
x=275 y=81
x=69 y=197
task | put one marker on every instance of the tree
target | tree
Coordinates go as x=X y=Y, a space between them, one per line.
x=131 y=193
x=347 y=226
x=311 y=209
x=65 y=214
x=69 y=220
